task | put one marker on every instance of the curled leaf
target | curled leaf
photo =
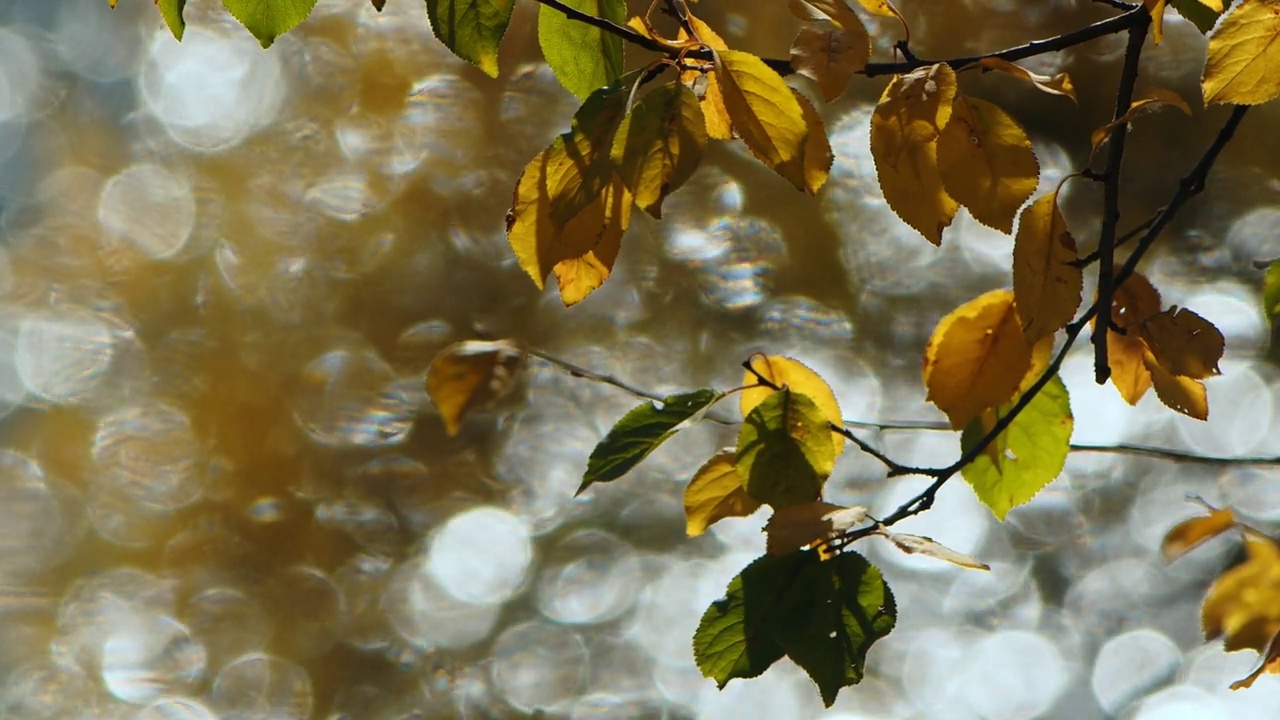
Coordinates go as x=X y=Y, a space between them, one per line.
x=1150 y=100
x=798 y=526
x=715 y=493
x=471 y=375
x=1059 y=84
x=1244 y=603
x=1190 y=533
x=921 y=545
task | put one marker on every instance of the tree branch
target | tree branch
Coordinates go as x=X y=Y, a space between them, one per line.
x=1111 y=195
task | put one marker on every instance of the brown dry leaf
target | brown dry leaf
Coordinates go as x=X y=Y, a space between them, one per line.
x=976 y=358
x=904 y=132
x=1183 y=394
x=1150 y=100
x=830 y=56
x=986 y=162
x=1270 y=664
x=1183 y=342
x=795 y=375
x=796 y=526
x=716 y=493
x=1244 y=603
x=1188 y=534
x=470 y=375
x=1059 y=84
x=1047 y=285
x=919 y=544
x=714 y=113
x=1131 y=303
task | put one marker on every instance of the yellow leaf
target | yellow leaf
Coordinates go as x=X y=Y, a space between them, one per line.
x=884 y=8
x=1243 y=55
x=830 y=56
x=592 y=240
x=1270 y=663
x=1131 y=303
x=471 y=375
x=787 y=372
x=713 y=110
x=660 y=144
x=837 y=11
x=1046 y=286
x=1149 y=100
x=715 y=493
x=986 y=162
x=976 y=358
x=1244 y=603
x=1183 y=342
x=791 y=528
x=817 y=148
x=1188 y=534
x=904 y=132
x=919 y=544
x=1059 y=84
x=1156 y=8
x=764 y=113
x=1183 y=394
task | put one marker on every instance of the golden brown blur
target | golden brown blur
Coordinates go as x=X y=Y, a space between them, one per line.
x=225 y=495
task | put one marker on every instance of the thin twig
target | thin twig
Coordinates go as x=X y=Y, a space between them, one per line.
x=675 y=8
x=1120 y=241
x=578 y=371
x=1111 y=196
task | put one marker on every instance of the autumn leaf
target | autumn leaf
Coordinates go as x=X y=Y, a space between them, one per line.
x=583 y=57
x=792 y=528
x=904 y=132
x=927 y=546
x=1047 y=286
x=716 y=493
x=1190 y=533
x=764 y=113
x=378 y=4
x=986 y=162
x=1183 y=342
x=817 y=147
x=976 y=358
x=593 y=240
x=1131 y=303
x=1146 y=102
x=714 y=112
x=1244 y=603
x=835 y=11
x=830 y=56
x=1183 y=394
x=1270 y=664
x=1156 y=8
x=660 y=144
x=825 y=616
x=790 y=373
x=470 y=375
x=784 y=450
x=471 y=29
x=641 y=431
x=1243 y=55
x=1024 y=458
x=1059 y=84
x=1203 y=14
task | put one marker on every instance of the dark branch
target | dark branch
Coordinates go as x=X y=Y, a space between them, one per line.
x=1111 y=195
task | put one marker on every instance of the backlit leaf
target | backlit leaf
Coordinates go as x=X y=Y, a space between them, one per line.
x=788 y=372
x=1244 y=603
x=1059 y=84
x=1156 y=8
x=1183 y=342
x=660 y=144
x=583 y=57
x=764 y=113
x=817 y=147
x=904 y=132
x=1271 y=293
x=1024 y=458
x=171 y=11
x=792 y=528
x=1183 y=394
x=1243 y=55
x=592 y=240
x=976 y=358
x=784 y=450
x=1188 y=534
x=825 y=616
x=716 y=493
x=1131 y=303
x=378 y=4
x=472 y=29
x=919 y=544
x=1148 y=101
x=986 y=162
x=836 y=11
x=268 y=19
x=830 y=56
x=1270 y=664
x=1203 y=13
x=714 y=112
x=641 y=431
x=1046 y=285
x=470 y=375
x=582 y=166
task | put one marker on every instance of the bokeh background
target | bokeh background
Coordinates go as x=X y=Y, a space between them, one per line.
x=224 y=493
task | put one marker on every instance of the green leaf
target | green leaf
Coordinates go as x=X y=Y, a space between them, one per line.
x=472 y=29
x=1271 y=293
x=823 y=615
x=1024 y=458
x=171 y=11
x=267 y=19
x=659 y=144
x=785 y=450
x=641 y=431
x=583 y=57
x=1201 y=16
x=581 y=164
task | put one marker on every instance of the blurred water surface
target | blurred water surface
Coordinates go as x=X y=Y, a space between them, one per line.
x=224 y=493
